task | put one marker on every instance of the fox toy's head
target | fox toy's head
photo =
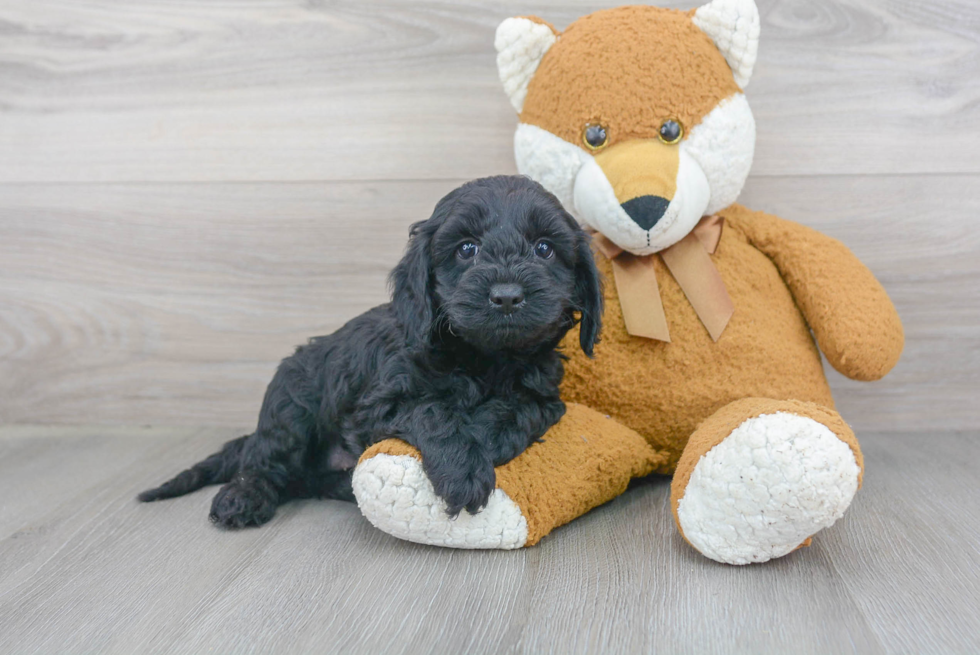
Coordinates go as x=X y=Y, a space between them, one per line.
x=634 y=117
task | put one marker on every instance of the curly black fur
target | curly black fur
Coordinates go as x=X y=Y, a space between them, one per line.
x=441 y=366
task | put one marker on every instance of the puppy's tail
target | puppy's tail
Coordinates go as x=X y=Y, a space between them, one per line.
x=219 y=467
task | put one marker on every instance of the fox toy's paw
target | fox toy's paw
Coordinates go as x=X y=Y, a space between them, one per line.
x=582 y=462
x=395 y=494
x=759 y=477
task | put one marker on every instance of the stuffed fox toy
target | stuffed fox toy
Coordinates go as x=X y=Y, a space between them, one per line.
x=709 y=368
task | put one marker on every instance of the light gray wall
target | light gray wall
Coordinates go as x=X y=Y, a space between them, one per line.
x=188 y=190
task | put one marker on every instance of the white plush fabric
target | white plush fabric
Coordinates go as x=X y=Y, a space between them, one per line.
x=723 y=144
x=774 y=481
x=734 y=27
x=714 y=163
x=596 y=205
x=396 y=496
x=686 y=208
x=520 y=44
x=549 y=160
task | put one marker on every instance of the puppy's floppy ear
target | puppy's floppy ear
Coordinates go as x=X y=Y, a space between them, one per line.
x=411 y=287
x=588 y=295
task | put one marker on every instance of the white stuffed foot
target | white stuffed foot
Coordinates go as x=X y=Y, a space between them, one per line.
x=396 y=496
x=773 y=482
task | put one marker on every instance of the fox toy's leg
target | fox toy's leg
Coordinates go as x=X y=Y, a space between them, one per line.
x=760 y=476
x=584 y=461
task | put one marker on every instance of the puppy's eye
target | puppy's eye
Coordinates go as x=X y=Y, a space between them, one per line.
x=467 y=250
x=594 y=136
x=544 y=250
x=671 y=132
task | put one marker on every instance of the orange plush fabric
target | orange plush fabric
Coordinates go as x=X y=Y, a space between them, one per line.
x=634 y=408
x=664 y=390
x=586 y=460
x=849 y=312
x=394 y=447
x=680 y=75
x=643 y=405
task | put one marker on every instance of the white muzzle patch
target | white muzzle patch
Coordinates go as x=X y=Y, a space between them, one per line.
x=714 y=162
x=596 y=205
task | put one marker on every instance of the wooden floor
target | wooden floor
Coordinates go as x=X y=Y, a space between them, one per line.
x=190 y=189
x=84 y=568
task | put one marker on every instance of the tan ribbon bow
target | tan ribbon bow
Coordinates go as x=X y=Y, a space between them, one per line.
x=690 y=263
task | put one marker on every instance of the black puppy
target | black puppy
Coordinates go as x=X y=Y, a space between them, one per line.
x=462 y=363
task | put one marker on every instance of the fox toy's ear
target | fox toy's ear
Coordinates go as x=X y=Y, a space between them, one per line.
x=521 y=43
x=734 y=27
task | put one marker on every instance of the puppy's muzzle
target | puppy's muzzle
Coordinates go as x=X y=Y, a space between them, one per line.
x=507 y=298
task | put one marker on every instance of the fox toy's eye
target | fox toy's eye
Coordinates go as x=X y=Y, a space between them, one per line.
x=671 y=132
x=594 y=136
x=544 y=250
x=467 y=250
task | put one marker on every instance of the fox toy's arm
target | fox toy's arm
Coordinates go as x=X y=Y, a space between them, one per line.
x=852 y=318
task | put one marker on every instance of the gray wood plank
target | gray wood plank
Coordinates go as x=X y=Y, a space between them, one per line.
x=932 y=491
x=54 y=484
x=105 y=90
x=98 y=572
x=27 y=453
x=172 y=304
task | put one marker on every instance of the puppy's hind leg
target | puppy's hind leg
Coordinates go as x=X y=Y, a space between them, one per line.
x=271 y=464
x=274 y=461
x=250 y=499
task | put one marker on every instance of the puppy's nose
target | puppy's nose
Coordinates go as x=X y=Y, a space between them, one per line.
x=506 y=297
x=646 y=210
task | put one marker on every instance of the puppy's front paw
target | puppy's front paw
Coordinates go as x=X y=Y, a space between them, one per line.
x=464 y=488
x=242 y=503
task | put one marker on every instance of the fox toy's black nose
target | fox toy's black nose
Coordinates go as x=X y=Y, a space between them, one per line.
x=506 y=297
x=646 y=210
